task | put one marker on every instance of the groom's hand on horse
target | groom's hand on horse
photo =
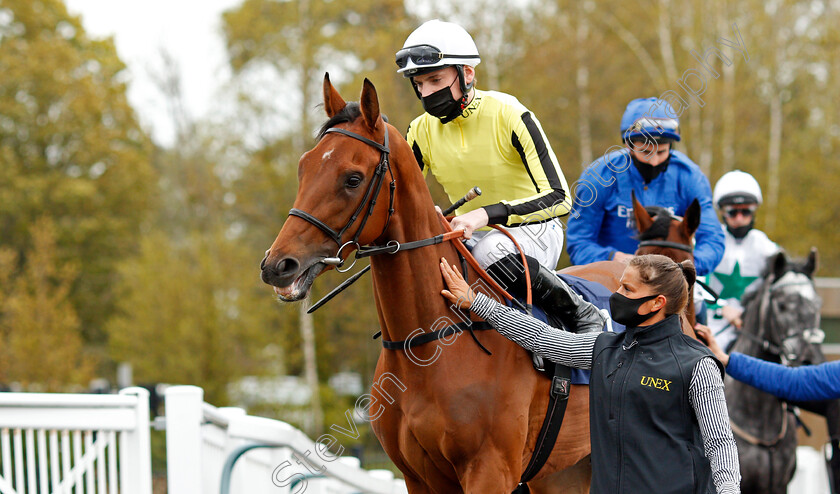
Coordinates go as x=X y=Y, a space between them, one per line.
x=459 y=292
x=733 y=315
x=704 y=333
x=470 y=222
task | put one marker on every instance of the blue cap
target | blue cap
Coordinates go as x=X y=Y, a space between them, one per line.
x=650 y=117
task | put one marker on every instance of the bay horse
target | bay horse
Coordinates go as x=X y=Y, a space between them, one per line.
x=781 y=321
x=451 y=417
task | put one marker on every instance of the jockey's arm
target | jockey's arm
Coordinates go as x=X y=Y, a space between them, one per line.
x=584 y=226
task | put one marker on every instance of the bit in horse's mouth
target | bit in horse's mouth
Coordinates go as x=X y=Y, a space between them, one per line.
x=299 y=288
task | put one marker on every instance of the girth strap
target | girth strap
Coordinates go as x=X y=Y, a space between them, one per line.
x=561 y=383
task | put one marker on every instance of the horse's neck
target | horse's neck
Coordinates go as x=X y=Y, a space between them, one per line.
x=407 y=285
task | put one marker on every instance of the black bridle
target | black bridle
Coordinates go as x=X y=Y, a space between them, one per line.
x=667 y=244
x=369 y=198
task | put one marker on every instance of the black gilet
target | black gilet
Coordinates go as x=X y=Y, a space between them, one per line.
x=645 y=435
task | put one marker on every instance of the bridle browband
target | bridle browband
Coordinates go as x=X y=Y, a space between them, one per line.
x=369 y=198
x=667 y=244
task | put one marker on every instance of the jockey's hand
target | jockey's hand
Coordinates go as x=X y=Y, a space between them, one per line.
x=459 y=292
x=470 y=222
x=733 y=315
x=704 y=333
x=622 y=257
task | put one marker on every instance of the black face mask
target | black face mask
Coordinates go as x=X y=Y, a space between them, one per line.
x=648 y=171
x=625 y=310
x=741 y=231
x=442 y=105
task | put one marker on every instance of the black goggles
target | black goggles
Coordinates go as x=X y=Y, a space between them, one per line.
x=734 y=211
x=423 y=55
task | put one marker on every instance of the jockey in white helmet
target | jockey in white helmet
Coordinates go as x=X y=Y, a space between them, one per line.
x=469 y=137
x=737 y=196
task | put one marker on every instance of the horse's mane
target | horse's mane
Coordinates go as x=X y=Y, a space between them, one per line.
x=661 y=224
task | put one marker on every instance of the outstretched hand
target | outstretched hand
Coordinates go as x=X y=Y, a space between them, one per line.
x=704 y=333
x=459 y=292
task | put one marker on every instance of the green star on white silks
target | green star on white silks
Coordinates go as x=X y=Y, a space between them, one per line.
x=734 y=284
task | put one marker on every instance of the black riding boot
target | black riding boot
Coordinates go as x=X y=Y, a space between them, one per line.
x=549 y=292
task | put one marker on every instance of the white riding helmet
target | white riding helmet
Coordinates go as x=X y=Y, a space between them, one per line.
x=436 y=44
x=736 y=187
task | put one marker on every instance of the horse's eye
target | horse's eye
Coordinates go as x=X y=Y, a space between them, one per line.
x=353 y=181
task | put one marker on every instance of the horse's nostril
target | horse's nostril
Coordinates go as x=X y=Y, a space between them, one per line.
x=262 y=263
x=287 y=266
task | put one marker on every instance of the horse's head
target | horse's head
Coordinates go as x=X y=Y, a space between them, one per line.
x=343 y=196
x=662 y=233
x=788 y=315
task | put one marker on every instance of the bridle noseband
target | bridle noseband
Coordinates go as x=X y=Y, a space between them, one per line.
x=369 y=198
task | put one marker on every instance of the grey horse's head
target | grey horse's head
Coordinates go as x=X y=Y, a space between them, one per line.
x=789 y=311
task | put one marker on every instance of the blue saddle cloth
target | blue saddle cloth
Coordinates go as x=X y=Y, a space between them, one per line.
x=594 y=293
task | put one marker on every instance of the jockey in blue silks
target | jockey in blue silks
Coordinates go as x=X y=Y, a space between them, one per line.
x=601 y=225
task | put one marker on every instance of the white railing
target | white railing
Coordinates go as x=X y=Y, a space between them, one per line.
x=107 y=434
x=273 y=457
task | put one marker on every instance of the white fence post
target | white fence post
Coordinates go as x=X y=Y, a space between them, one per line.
x=136 y=448
x=183 y=438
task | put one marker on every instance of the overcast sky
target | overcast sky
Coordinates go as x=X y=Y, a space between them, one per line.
x=189 y=30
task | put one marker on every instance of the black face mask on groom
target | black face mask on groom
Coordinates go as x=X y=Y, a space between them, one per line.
x=625 y=310
x=442 y=105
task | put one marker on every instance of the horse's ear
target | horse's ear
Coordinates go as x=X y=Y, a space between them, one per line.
x=779 y=264
x=643 y=219
x=691 y=219
x=333 y=102
x=369 y=104
x=811 y=264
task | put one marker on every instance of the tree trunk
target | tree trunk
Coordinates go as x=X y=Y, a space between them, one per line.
x=307 y=331
x=727 y=101
x=773 y=156
x=582 y=85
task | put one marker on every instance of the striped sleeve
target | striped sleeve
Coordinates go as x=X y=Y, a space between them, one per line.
x=705 y=393
x=563 y=347
x=551 y=197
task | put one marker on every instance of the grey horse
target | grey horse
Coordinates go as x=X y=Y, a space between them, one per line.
x=781 y=321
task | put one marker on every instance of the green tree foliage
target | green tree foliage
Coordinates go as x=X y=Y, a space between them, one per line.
x=191 y=307
x=40 y=337
x=577 y=64
x=188 y=314
x=71 y=149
